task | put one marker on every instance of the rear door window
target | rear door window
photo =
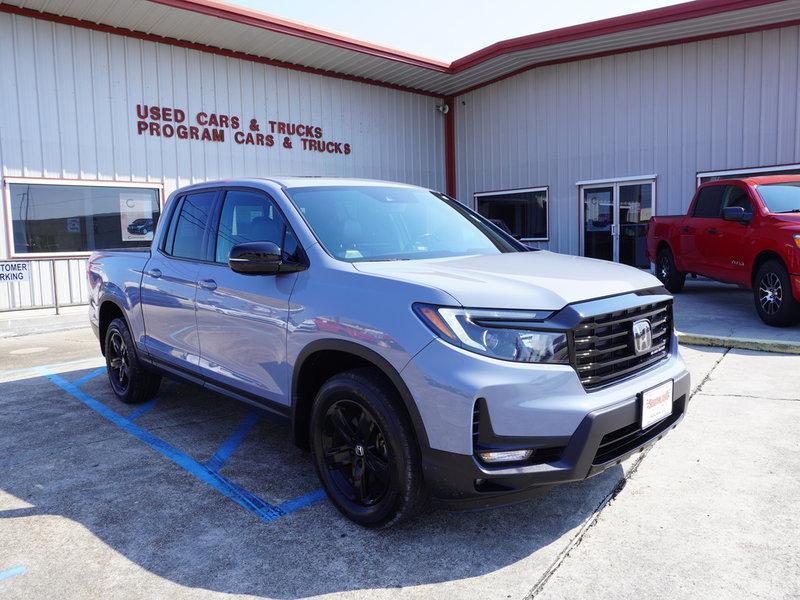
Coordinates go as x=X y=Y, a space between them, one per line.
x=189 y=234
x=709 y=202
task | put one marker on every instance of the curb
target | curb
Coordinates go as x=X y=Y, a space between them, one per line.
x=741 y=343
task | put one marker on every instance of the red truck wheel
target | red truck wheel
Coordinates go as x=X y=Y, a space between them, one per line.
x=668 y=273
x=772 y=292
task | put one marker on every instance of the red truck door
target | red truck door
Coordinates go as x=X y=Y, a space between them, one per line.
x=696 y=230
x=726 y=241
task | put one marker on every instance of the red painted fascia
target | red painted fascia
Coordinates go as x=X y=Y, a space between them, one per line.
x=666 y=43
x=649 y=18
x=301 y=30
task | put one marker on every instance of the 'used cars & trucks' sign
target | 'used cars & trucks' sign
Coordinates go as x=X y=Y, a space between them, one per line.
x=172 y=122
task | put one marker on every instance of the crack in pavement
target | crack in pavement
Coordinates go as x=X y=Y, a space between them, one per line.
x=750 y=397
x=576 y=540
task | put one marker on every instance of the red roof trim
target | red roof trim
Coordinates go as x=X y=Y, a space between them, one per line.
x=639 y=20
x=35 y=14
x=675 y=42
x=301 y=30
x=648 y=18
x=675 y=13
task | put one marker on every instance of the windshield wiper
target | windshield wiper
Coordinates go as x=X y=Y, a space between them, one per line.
x=783 y=212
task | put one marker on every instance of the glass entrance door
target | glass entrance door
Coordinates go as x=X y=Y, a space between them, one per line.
x=615 y=219
x=599 y=223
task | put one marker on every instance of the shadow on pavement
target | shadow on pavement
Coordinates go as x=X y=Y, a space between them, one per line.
x=65 y=459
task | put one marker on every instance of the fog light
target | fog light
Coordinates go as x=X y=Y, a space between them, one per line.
x=507 y=456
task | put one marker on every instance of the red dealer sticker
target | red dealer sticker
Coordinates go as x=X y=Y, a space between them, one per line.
x=656 y=404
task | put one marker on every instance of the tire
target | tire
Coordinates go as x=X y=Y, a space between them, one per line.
x=772 y=294
x=365 y=451
x=130 y=381
x=668 y=273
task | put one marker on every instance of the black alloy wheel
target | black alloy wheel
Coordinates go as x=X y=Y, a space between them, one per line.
x=118 y=368
x=667 y=272
x=365 y=451
x=356 y=454
x=130 y=381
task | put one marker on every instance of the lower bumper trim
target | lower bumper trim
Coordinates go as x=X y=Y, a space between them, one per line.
x=459 y=481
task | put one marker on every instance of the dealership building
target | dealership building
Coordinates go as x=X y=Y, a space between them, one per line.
x=571 y=138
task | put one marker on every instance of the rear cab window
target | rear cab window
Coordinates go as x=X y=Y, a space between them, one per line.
x=709 y=202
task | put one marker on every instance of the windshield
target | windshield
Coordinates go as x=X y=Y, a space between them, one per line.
x=781 y=197
x=368 y=223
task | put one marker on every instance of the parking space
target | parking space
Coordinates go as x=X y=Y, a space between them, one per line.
x=192 y=495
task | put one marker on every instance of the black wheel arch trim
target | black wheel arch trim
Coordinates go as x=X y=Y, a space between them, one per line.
x=112 y=299
x=378 y=361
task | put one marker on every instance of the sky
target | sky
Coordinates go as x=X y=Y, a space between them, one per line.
x=445 y=29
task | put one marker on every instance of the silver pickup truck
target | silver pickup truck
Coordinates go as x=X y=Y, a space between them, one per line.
x=417 y=349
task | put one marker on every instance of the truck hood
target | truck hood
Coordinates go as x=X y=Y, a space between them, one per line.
x=526 y=280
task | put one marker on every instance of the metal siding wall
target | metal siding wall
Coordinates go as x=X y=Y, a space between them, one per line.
x=717 y=104
x=67 y=110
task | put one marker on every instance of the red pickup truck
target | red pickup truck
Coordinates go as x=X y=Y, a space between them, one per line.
x=742 y=231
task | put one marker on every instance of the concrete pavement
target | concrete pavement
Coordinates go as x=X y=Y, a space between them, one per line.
x=90 y=510
x=713 y=313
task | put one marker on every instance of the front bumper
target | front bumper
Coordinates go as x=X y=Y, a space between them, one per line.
x=605 y=437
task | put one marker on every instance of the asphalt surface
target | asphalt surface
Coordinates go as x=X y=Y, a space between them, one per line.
x=193 y=496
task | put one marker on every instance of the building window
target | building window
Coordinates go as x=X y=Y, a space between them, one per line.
x=522 y=213
x=66 y=218
x=748 y=172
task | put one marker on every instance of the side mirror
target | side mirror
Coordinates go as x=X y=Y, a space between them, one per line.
x=261 y=258
x=736 y=213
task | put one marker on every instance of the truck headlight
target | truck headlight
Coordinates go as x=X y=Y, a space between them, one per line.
x=796 y=237
x=504 y=334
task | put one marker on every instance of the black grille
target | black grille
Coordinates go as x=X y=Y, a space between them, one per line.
x=603 y=350
x=623 y=440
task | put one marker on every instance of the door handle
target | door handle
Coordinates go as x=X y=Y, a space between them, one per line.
x=155 y=273
x=207 y=284
x=712 y=230
x=685 y=229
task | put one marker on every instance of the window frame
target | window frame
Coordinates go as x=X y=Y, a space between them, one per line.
x=541 y=188
x=158 y=187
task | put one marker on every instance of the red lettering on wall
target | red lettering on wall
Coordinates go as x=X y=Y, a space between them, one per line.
x=157 y=121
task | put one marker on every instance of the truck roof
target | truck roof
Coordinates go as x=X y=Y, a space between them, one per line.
x=301 y=182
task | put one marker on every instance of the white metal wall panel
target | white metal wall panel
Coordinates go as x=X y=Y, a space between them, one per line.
x=68 y=97
x=716 y=104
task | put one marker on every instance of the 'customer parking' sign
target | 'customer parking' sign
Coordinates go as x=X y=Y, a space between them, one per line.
x=15 y=271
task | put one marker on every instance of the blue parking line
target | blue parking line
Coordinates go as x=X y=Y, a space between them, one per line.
x=142 y=408
x=50 y=367
x=242 y=497
x=12 y=572
x=224 y=452
x=302 y=501
x=90 y=376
